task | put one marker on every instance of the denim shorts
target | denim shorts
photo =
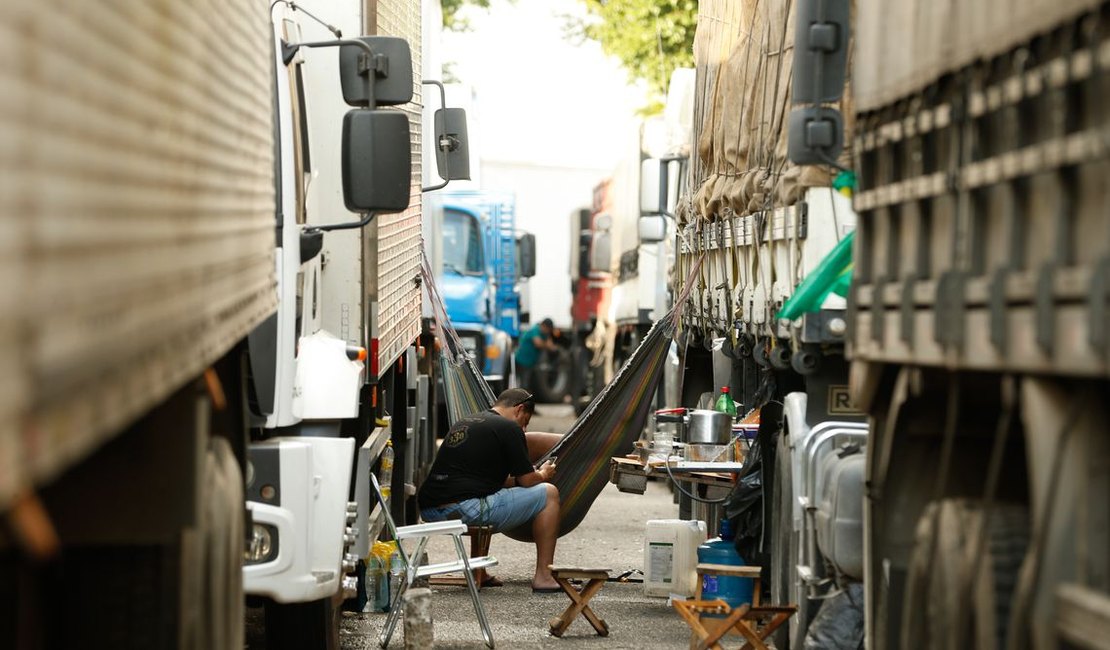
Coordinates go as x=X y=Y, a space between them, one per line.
x=504 y=510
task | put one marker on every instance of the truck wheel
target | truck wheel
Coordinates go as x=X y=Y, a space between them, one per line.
x=591 y=379
x=552 y=376
x=303 y=626
x=222 y=531
x=186 y=594
x=915 y=630
x=121 y=597
x=937 y=612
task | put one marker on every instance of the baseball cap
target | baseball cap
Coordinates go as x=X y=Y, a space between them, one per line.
x=515 y=397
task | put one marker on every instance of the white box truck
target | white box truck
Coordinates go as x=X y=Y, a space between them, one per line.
x=211 y=316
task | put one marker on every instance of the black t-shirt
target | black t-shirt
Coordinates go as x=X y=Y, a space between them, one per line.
x=477 y=455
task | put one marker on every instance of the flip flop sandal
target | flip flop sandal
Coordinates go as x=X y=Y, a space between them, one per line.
x=491 y=581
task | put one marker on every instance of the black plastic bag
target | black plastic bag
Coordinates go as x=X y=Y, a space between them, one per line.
x=744 y=507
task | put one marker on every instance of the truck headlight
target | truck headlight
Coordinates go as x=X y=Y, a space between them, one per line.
x=262 y=546
x=470 y=345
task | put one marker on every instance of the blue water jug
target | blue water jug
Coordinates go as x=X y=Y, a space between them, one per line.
x=722 y=550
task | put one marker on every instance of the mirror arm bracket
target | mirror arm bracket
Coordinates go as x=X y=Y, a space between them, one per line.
x=376 y=63
x=380 y=62
x=442 y=92
x=350 y=225
x=448 y=146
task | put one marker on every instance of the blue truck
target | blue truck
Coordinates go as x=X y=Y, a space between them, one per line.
x=480 y=259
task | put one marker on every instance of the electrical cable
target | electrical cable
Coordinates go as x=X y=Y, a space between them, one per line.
x=674 y=481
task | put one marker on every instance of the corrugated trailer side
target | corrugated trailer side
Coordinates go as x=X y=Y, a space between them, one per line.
x=136 y=164
x=983 y=187
x=906 y=46
x=392 y=258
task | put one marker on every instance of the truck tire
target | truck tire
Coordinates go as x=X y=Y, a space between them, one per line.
x=937 y=612
x=186 y=594
x=222 y=529
x=114 y=597
x=552 y=377
x=591 y=379
x=303 y=626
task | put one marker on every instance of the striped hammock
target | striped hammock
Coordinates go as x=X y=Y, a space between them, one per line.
x=608 y=427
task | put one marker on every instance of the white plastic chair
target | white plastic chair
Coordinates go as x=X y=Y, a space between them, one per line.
x=422 y=533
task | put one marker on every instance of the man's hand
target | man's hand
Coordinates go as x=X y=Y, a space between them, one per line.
x=547 y=470
x=543 y=474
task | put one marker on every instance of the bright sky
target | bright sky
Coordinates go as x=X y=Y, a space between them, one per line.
x=543 y=99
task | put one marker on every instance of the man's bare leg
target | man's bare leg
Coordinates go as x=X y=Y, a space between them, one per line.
x=539 y=443
x=545 y=530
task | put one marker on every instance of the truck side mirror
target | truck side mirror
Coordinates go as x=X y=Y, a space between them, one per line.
x=377 y=161
x=526 y=255
x=658 y=185
x=653 y=228
x=816 y=133
x=452 y=144
x=388 y=71
x=815 y=136
x=600 y=253
x=652 y=193
x=820 y=51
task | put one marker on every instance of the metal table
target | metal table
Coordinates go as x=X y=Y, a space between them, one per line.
x=705 y=480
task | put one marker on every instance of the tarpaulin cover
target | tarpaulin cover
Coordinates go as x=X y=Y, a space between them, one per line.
x=906 y=45
x=744 y=53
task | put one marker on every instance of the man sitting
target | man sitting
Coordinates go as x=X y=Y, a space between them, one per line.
x=483 y=475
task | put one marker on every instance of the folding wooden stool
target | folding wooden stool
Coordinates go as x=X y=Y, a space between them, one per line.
x=579 y=599
x=753 y=621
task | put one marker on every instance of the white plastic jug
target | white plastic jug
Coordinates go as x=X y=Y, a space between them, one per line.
x=671 y=557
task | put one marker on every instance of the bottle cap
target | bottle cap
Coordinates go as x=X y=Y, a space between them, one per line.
x=724 y=389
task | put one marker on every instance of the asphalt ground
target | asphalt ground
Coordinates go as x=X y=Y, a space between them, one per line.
x=611 y=536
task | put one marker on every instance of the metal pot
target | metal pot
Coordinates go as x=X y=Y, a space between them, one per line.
x=705 y=427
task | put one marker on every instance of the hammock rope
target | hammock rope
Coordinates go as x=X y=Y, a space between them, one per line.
x=466 y=390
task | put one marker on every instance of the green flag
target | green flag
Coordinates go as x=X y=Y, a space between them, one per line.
x=832 y=275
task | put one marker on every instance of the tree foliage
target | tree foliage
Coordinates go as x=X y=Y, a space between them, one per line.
x=451 y=8
x=650 y=37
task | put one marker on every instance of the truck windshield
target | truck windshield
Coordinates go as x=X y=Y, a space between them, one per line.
x=462 y=243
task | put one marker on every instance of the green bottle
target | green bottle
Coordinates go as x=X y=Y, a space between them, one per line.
x=725 y=403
